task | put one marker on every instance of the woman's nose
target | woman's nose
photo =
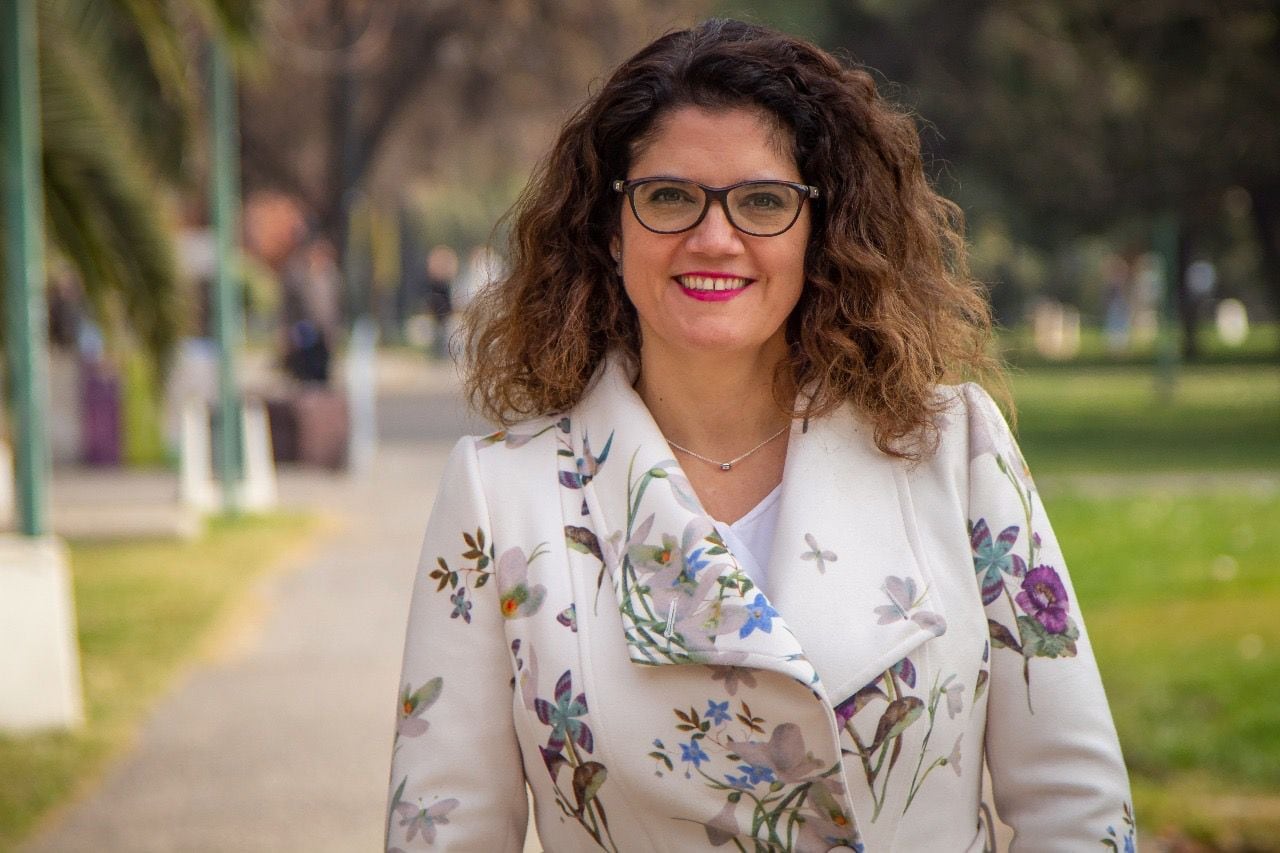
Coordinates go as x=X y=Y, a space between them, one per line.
x=715 y=234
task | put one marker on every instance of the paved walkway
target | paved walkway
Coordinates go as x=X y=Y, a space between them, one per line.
x=281 y=742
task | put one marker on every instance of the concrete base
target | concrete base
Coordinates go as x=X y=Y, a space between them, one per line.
x=6 y=486
x=198 y=488
x=39 y=657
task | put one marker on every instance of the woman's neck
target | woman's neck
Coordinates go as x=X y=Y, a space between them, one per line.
x=715 y=405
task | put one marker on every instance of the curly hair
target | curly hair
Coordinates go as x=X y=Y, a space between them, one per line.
x=888 y=310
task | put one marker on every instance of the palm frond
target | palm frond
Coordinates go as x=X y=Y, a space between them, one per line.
x=100 y=197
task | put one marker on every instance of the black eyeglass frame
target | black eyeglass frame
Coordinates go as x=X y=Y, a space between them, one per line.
x=711 y=194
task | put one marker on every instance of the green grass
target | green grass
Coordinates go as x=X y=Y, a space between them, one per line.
x=1112 y=419
x=143 y=609
x=1181 y=597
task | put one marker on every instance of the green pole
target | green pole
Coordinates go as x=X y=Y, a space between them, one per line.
x=24 y=291
x=225 y=203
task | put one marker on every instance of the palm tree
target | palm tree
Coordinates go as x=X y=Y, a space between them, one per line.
x=117 y=110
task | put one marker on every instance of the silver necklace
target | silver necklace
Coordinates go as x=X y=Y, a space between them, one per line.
x=728 y=466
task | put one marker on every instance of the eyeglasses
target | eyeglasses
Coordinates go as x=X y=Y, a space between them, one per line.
x=758 y=208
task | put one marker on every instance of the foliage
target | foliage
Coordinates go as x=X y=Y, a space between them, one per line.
x=117 y=106
x=468 y=93
x=1078 y=117
x=142 y=609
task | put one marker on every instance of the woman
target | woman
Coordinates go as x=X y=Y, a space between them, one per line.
x=742 y=571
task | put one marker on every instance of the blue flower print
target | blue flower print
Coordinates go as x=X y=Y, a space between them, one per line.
x=717 y=712
x=759 y=615
x=461 y=607
x=696 y=561
x=752 y=775
x=692 y=753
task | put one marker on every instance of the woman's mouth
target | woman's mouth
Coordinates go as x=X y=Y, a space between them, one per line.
x=712 y=288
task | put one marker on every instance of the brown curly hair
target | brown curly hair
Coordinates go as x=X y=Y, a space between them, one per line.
x=888 y=310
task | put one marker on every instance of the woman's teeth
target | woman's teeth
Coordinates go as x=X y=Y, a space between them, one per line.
x=698 y=282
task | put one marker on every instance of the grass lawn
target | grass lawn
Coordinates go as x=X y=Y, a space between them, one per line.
x=1180 y=589
x=1111 y=419
x=143 y=609
x=1181 y=597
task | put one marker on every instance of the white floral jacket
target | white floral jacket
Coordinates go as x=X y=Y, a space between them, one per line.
x=578 y=624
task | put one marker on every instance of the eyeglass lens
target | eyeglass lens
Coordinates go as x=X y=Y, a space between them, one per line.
x=763 y=208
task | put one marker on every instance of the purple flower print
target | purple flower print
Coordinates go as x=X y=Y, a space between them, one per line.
x=759 y=616
x=1045 y=599
x=461 y=607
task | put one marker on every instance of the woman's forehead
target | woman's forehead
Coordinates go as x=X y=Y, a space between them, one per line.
x=722 y=139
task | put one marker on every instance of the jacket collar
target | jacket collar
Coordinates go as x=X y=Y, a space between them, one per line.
x=849 y=589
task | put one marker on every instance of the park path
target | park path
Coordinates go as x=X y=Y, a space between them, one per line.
x=280 y=739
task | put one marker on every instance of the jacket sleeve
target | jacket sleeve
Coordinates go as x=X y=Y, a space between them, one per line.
x=457 y=781
x=1057 y=773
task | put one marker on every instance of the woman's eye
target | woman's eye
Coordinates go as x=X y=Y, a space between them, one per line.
x=763 y=201
x=669 y=195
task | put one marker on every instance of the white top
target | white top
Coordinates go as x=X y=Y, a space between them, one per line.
x=750 y=538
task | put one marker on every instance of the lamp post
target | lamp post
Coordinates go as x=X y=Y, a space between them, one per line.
x=225 y=202
x=24 y=286
x=39 y=660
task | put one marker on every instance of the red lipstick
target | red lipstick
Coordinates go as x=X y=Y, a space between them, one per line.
x=704 y=293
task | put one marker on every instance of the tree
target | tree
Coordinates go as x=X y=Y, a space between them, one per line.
x=117 y=106
x=1074 y=117
x=363 y=96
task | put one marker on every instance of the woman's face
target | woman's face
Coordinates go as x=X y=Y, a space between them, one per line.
x=757 y=280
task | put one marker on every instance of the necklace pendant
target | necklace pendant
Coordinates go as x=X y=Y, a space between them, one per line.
x=725 y=466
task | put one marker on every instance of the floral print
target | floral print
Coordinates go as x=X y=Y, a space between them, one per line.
x=1122 y=841
x=817 y=555
x=471 y=578
x=900 y=713
x=1044 y=598
x=413 y=703
x=409 y=819
x=776 y=793
x=1044 y=627
x=585 y=467
x=992 y=558
x=416 y=821
x=516 y=597
x=569 y=739
x=902 y=601
x=749 y=759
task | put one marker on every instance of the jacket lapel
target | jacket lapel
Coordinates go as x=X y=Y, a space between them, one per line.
x=681 y=593
x=847 y=569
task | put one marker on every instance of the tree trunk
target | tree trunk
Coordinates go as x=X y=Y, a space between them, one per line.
x=336 y=215
x=1266 y=219
x=1188 y=301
